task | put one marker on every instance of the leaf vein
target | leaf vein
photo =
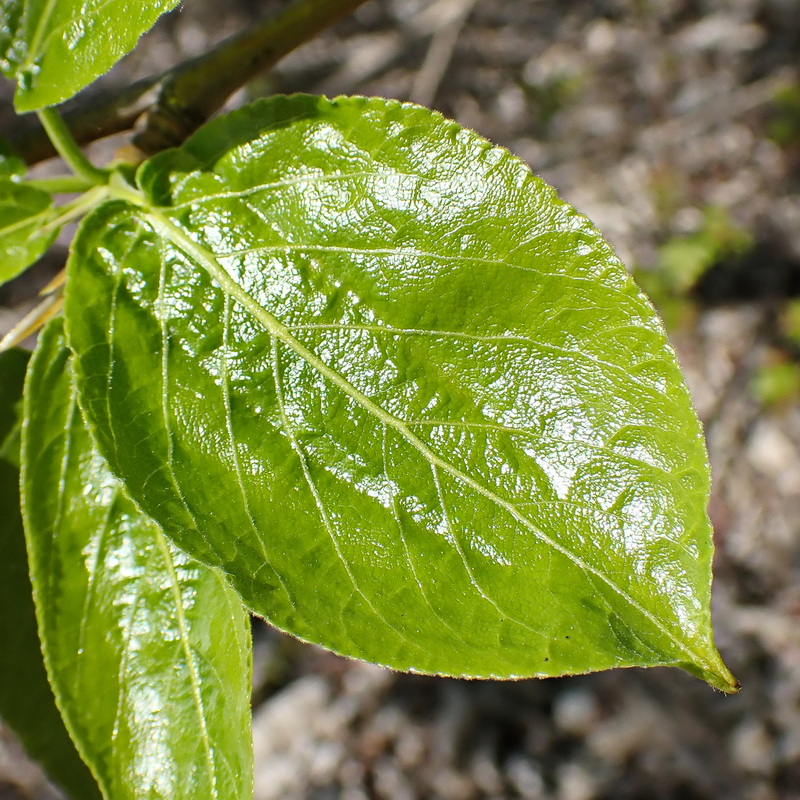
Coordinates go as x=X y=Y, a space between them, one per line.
x=410 y=560
x=183 y=629
x=408 y=252
x=209 y=261
x=321 y=510
x=501 y=338
x=460 y=550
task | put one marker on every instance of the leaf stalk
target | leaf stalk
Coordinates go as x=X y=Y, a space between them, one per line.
x=77 y=207
x=167 y=108
x=61 y=184
x=69 y=149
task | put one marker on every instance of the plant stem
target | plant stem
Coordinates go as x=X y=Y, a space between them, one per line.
x=69 y=149
x=200 y=87
x=44 y=311
x=78 y=207
x=62 y=184
x=172 y=105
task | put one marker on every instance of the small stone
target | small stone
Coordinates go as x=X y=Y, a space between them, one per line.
x=575 y=783
x=526 y=778
x=390 y=783
x=752 y=747
x=510 y=106
x=601 y=38
x=721 y=32
x=325 y=761
x=575 y=712
x=774 y=455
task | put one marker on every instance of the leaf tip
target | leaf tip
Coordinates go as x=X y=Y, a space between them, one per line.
x=714 y=672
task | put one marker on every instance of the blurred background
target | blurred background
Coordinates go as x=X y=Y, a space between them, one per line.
x=675 y=126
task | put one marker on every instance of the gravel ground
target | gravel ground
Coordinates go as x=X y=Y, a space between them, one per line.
x=643 y=113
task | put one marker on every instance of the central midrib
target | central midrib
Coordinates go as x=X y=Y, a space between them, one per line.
x=165 y=227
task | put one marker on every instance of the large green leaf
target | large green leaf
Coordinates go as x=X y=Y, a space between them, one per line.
x=26 y=699
x=406 y=397
x=148 y=651
x=24 y=214
x=53 y=48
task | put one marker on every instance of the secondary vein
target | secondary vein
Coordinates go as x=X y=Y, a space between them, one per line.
x=208 y=260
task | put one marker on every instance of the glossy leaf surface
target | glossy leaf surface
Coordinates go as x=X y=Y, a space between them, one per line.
x=148 y=651
x=405 y=396
x=27 y=704
x=24 y=213
x=54 y=48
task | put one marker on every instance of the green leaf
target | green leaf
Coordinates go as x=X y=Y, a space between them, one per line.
x=402 y=394
x=54 y=48
x=148 y=651
x=26 y=699
x=13 y=364
x=24 y=211
x=11 y=166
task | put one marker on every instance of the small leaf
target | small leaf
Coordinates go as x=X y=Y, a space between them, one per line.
x=54 y=49
x=24 y=211
x=148 y=651
x=11 y=166
x=402 y=394
x=26 y=699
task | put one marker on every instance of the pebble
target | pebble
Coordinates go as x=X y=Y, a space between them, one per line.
x=575 y=712
x=574 y=782
x=752 y=747
x=525 y=778
x=775 y=456
x=721 y=32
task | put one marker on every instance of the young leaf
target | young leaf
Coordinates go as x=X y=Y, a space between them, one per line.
x=26 y=699
x=407 y=398
x=54 y=48
x=148 y=651
x=24 y=211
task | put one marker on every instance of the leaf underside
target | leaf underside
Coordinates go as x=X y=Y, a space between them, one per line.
x=147 y=650
x=402 y=394
x=54 y=48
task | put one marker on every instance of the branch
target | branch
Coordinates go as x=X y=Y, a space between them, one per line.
x=91 y=117
x=165 y=109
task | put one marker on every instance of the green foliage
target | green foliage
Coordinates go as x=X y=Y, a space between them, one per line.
x=26 y=699
x=13 y=365
x=784 y=127
x=344 y=364
x=148 y=651
x=380 y=334
x=790 y=322
x=10 y=165
x=24 y=232
x=777 y=383
x=683 y=260
x=54 y=48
